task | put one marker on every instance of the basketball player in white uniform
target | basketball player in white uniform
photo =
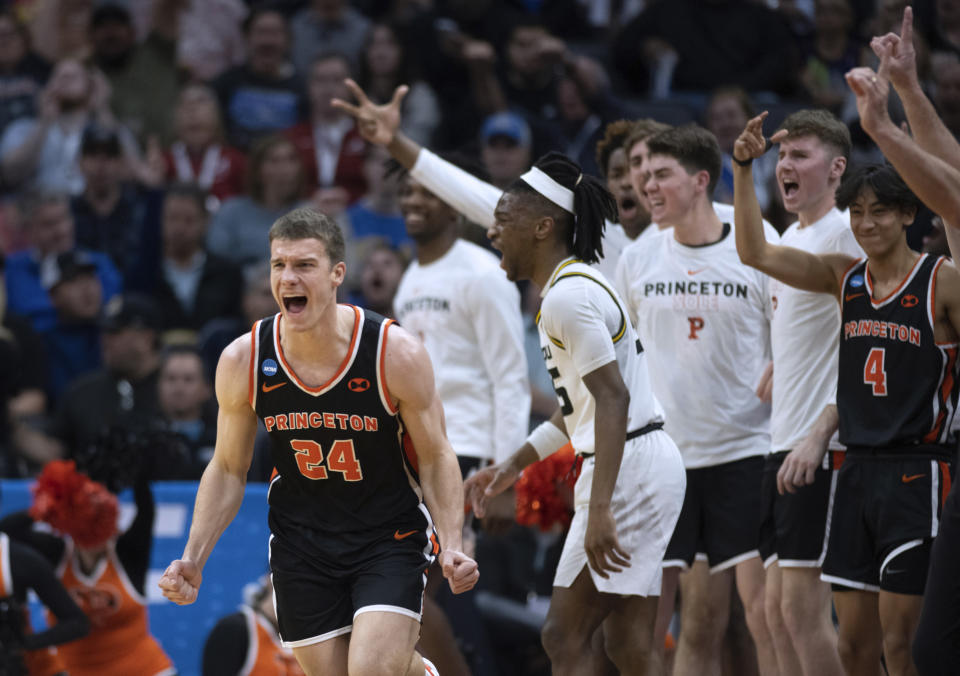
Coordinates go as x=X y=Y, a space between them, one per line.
x=813 y=150
x=704 y=317
x=630 y=489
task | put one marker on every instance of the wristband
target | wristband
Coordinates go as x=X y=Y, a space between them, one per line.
x=546 y=438
x=742 y=163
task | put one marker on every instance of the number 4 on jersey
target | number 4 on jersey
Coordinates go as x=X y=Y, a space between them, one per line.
x=342 y=458
x=874 y=373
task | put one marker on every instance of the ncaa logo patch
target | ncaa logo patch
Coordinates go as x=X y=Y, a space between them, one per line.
x=358 y=385
x=856 y=281
x=269 y=367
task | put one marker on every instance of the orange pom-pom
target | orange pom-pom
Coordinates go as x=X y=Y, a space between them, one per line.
x=543 y=490
x=74 y=504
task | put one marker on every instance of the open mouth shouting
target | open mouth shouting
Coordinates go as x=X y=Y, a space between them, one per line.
x=790 y=189
x=294 y=305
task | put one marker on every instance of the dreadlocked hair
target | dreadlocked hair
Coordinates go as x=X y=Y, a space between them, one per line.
x=74 y=504
x=593 y=205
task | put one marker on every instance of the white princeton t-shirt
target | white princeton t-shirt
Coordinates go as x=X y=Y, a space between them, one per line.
x=703 y=317
x=583 y=325
x=467 y=314
x=804 y=336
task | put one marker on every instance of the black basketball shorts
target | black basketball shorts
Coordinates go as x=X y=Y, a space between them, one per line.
x=321 y=581
x=886 y=513
x=720 y=516
x=794 y=525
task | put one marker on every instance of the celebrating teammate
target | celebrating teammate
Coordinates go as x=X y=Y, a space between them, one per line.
x=627 y=498
x=896 y=393
x=813 y=150
x=367 y=481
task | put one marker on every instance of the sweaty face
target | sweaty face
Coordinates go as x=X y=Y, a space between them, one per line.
x=669 y=189
x=303 y=280
x=425 y=215
x=803 y=173
x=512 y=235
x=879 y=228
x=633 y=214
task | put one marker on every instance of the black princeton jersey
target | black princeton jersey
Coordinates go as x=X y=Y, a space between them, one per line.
x=897 y=387
x=343 y=462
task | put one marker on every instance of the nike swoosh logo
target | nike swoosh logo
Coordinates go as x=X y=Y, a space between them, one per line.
x=397 y=535
x=694 y=272
x=913 y=477
x=270 y=388
x=850 y=296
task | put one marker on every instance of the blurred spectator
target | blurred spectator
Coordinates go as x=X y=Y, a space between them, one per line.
x=44 y=149
x=585 y=106
x=257 y=302
x=263 y=95
x=329 y=143
x=505 y=147
x=727 y=113
x=383 y=67
x=247 y=643
x=190 y=284
x=945 y=36
x=328 y=25
x=211 y=39
x=946 y=95
x=704 y=44
x=275 y=174
x=143 y=76
x=831 y=52
x=113 y=215
x=60 y=29
x=22 y=73
x=530 y=72
x=50 y=230
x=73 y=343
x=380 y=276
x=377 y=213
x=23 y=380
x=200 y=154
x=186 y=406
x=104 y=570
x=122 y=395
x=935 y=241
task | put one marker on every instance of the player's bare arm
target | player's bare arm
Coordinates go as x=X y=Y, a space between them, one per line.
x=928 y=130
x=946 y=322
x=380 y=124
x=796 y=268
x=220 y=493
x=491 y=481
x=610 y=433
x=800 y=466
x=934 y=181
x=409 y=378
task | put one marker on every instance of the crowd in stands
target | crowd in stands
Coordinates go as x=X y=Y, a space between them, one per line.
x=146 y=147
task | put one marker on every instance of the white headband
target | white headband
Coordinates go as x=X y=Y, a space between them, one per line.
x=549 y=188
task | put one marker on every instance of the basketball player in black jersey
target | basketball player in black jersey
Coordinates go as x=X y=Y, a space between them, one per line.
x=367 y=490
x=896 y=395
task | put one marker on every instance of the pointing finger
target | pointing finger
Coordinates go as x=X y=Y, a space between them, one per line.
x=357 y=92
x=398 y=95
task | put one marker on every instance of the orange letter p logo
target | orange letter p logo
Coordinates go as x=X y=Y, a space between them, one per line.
x=696 y=323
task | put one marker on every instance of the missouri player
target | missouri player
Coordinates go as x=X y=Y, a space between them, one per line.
x=368 y=490
x=896 y=395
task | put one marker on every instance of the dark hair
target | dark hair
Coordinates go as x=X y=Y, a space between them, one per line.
x=694 y=147
x=258 y=156
x=404 y=73
x=885 y=183
x=306 y=223
x=592 y=205
x=615 y=135
x=189 y=191
x=259 y=9
x=183 y=349
x=821 y=124
x=643 y=130
x=733 y=92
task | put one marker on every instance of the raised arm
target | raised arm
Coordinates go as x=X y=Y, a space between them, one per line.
x=462 y=191
x=934 y=181
x=409 y=377
x=791 y=266
x=928 y=130
x=221 y=488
